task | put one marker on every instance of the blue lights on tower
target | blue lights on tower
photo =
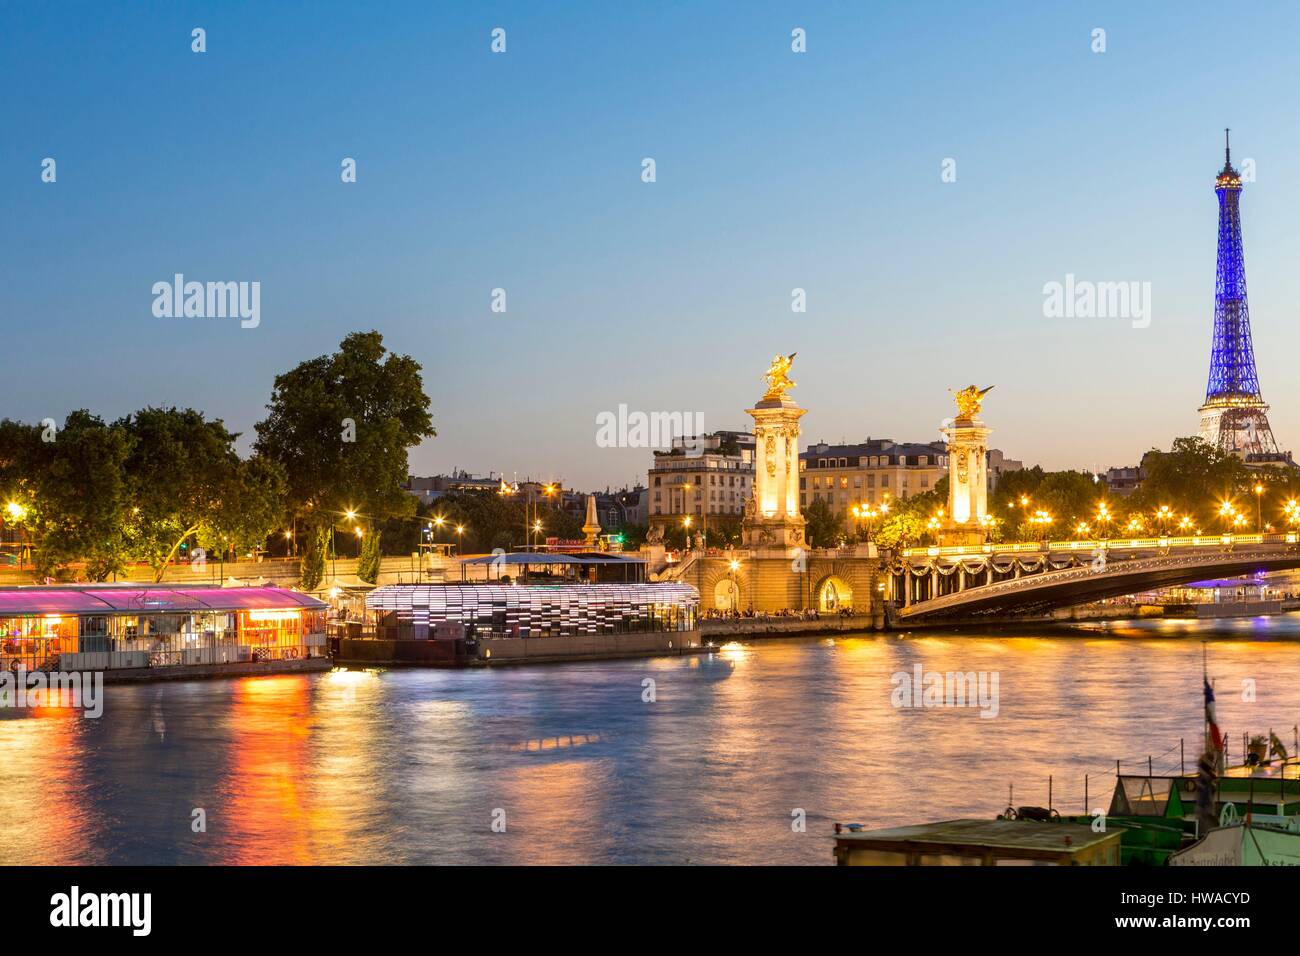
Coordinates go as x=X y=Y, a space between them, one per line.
x=1233 y=379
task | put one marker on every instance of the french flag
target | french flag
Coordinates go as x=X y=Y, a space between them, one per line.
x=1216 y=737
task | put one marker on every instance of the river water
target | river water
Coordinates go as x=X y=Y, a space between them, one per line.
x=577 y=764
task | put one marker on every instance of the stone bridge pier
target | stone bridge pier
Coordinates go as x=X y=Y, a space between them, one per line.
x=829 y=580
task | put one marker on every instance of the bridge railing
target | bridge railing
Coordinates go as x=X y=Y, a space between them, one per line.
x=1099 y=544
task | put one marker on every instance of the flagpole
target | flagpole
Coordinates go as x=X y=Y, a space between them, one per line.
x=1205 y=676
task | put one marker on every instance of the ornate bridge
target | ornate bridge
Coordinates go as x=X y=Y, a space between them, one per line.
x=930 y=585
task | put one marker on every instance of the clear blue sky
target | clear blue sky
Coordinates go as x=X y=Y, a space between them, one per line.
x=775 y=171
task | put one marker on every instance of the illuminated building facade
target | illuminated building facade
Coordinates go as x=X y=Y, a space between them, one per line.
x=114 y=627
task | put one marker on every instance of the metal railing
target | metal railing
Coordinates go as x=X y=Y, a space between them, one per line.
x=1107 y=544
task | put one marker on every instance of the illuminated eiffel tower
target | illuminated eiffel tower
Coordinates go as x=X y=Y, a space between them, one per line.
x=1234 y=417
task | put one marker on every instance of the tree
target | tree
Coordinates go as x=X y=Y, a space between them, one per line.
x=723 y=530
x=369 y=559
x=340 y=426
x=902 y=528
x=68 y=494
x=312 y=569
x=1193 y=478
x=185 y=480
x=493 y=520
x=908 y=521
x=825 y=529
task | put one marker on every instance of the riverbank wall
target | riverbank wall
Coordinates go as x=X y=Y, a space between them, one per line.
x=138 y=675
x=747 y=627
x=489 y=651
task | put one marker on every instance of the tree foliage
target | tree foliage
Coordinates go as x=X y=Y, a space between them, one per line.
x=185 y=480
x=69 y=492
x=315 y=552
x=491 y=520
x=368 y=560
x=825 y=528
x=340 y=426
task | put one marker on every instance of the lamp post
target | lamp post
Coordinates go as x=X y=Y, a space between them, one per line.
x=1104 y=518
x=17 y=513
x=1259 y=512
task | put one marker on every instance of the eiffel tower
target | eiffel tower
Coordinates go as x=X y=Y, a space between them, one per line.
x=1234 y=417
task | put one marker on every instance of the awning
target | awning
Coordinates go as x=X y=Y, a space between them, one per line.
x=117 y=599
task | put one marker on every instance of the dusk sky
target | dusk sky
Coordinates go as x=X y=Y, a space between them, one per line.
x=775 y=170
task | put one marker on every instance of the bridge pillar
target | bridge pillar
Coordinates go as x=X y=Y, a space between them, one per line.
x=934 y=581
x=907 y=585
x=961 y=578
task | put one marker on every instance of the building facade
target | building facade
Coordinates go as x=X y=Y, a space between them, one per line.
x=872 y=472
x=709 y=475
x=880 y=470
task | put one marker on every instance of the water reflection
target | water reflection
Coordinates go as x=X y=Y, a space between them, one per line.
x=415 y=766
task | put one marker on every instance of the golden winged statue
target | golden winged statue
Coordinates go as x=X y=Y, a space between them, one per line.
x=778 y=377
x=969 y=400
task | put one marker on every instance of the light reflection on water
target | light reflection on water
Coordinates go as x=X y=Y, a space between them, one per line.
x=409 y=766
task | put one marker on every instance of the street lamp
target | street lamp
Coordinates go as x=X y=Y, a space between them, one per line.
x=732 y=567
x=1104 y=518
x=16 y=514
x=1227 y=513
x=1259 y=514
x=1163 y=517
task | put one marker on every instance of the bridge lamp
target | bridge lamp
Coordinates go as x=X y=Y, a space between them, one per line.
x=734 y=565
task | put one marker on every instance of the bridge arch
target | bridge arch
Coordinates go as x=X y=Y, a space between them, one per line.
x=726 y=595
x=1047 y=581
x=833 y=594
